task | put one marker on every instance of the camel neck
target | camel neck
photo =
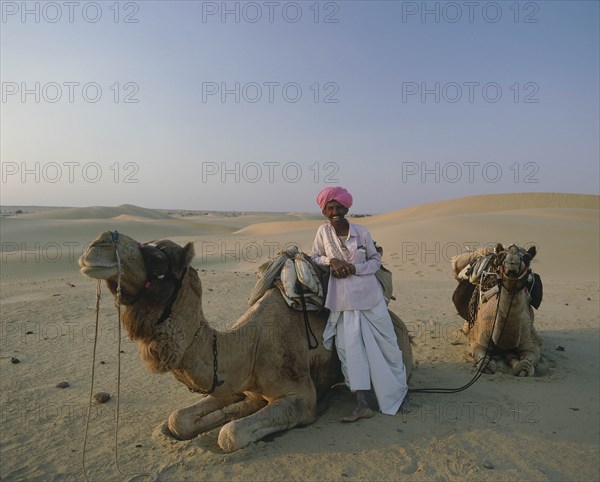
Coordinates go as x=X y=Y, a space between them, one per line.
x=216 y=358
x=510 y=303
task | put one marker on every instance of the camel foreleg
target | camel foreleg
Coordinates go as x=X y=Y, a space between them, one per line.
x=201 y=416
x=524 y=364
x=482 y=359
x=281 y=414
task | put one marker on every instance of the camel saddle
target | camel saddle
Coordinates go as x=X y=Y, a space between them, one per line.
x=468 y=268
x=302 y=283
x=297 y=276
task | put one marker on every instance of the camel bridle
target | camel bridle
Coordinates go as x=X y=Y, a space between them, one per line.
x=151 y=276
x=515 y=283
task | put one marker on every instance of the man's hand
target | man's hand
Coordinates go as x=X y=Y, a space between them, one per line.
x=341 y=269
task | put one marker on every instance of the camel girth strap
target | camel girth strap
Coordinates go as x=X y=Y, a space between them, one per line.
x=310 y=336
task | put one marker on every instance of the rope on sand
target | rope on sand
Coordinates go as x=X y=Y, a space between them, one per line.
x=153 y=475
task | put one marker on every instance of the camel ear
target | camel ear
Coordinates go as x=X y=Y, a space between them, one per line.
x=188 y=253
x=499 y=248
x=532 y=252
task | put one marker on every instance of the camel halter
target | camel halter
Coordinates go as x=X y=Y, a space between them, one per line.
x=154 y=475
x=168 y=275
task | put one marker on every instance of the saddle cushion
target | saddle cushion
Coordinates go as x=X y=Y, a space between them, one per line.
x=462 y=296
x=536 y=292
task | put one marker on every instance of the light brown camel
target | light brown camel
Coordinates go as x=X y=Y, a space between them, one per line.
x=260 y=374
x=504 y=322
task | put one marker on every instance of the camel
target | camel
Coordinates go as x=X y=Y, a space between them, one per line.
x=503 y=323
x=257 y=378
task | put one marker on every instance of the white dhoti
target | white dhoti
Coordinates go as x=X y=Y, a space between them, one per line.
x=368 y=350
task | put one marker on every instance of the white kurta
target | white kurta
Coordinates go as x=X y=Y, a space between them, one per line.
x=360 y=291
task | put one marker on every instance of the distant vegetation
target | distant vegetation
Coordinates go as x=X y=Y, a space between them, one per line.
x=185 y=213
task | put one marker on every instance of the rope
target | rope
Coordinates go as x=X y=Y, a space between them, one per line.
x=154 y=475
x=87 y=419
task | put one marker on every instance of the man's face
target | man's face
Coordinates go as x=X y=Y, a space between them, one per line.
x=335 y=212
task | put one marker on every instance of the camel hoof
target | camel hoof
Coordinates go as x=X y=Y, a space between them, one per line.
x=523 y=368
x=487 y=365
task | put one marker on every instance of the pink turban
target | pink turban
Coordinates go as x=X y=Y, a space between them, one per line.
x=337 y=193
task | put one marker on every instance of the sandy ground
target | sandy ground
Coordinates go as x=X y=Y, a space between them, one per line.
x=543 y=428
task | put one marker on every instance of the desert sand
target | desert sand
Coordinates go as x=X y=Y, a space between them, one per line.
x=502 y=428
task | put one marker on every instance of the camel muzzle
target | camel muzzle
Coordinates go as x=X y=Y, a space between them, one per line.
x=94 y=263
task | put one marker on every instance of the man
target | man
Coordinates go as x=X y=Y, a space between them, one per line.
x=359 y=321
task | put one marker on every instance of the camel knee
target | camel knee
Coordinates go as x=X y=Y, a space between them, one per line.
x=484 y=362
x=178 y=425
x=232 y=437
x=487 y=365
x=181 y=425
x=307 y=414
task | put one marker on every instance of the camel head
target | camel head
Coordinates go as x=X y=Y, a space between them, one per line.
x=152 y=270
x=514 y=264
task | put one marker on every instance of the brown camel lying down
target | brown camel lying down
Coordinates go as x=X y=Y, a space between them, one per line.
x=504 y=321
x=267 y=379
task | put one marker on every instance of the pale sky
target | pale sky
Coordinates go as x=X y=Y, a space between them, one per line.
x=255 y=106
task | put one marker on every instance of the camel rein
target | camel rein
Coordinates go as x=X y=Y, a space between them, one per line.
x=153 y=475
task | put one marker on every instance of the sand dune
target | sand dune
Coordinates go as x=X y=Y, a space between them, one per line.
x=242 y=220
x=279 y=227
x=513 y=424
x=491 y=203
x=97 y=212
x=433 y=233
